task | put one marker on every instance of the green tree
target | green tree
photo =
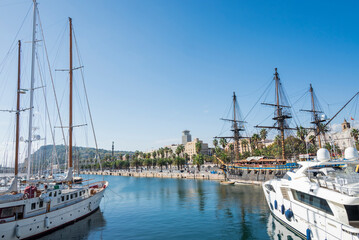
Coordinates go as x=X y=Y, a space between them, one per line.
x=198 y=147
x=223 y=142
x=198 y=160
x=255 y=138
x=263 y=133
x=302 y=134
x=355 y=134
x=215 y=143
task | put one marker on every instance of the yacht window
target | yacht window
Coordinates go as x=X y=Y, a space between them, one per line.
x=33 y=206
x=67 y=197
x=41 y=204
x=59 y=192
x=50 y=194
x=75 y=195
x=72 y=196
x=55 y=194
x=62 y=198
x=80 y=193
x=313 y=201
x=353 y=212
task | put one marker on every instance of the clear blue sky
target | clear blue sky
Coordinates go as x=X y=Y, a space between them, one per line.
x=156 y=67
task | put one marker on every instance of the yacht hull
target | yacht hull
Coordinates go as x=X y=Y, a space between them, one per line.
x=305 y=221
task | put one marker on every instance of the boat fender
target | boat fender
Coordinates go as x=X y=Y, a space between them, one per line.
x=309 y=234
x=275 y=204
x=17 y=231
x=282 y=209
x=288 y=214
x=47 y=222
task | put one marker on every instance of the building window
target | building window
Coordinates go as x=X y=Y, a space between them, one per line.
x=313 y=201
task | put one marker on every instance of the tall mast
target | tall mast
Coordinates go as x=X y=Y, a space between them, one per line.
x=18 y=113
x=279 y=117
x=315 y=116
x=31 y=90
x=70 y=101
x=235 y=128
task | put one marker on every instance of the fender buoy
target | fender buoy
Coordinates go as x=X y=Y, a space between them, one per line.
x=309 y=234
x=289 y=214
x=282 y=209
x=47 y=222
x=17 y=231
x=275 y=204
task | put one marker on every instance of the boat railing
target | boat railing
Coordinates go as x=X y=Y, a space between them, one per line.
x=346 y=185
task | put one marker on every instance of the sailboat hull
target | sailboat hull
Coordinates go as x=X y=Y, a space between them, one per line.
x=45 y=223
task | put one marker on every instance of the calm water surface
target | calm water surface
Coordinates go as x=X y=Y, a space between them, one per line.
x=154 y=208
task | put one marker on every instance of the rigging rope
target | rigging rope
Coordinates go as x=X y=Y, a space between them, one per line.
x=87 y=100
x=52 y=80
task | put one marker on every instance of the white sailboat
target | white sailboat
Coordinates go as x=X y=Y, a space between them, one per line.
x=32 y=212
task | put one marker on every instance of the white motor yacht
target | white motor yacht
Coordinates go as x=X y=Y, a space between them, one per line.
x=320 y=200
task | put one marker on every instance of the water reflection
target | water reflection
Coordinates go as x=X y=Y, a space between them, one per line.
x=277 y=231
x=81 y=229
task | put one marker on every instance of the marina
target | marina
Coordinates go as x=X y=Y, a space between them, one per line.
x=179 y=120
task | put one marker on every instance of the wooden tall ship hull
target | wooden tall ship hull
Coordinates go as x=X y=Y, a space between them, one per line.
x=32 y=217
x=258 y=171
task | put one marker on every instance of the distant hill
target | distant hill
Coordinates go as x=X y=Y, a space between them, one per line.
x=45 y=153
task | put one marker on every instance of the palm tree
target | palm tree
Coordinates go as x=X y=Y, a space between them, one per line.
x=154 y=154
x=263 y=133
x=223 y=142
x=198 y=147
x=166 y=150
x=179 y=149
x=355 y=134
x=215 y=143
x=255 y=139
x=313 y=140
x=302 y=133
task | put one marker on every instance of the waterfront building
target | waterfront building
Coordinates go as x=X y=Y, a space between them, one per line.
x=342 y=139
x=186 y=137
x=190 y=148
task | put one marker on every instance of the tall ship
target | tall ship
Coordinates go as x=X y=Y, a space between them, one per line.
x=37 y=207
x=259 y=169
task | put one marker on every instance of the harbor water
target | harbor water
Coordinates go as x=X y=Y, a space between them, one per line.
x=155 y=208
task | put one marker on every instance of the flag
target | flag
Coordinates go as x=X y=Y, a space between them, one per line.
x=352 y=118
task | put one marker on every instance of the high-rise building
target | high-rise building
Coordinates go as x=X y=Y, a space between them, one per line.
x=186 y=137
